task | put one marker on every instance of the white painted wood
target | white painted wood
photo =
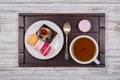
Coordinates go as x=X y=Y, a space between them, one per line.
x=9 y=10
x=59 y=1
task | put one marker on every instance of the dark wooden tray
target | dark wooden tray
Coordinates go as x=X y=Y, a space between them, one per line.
x=97 y=32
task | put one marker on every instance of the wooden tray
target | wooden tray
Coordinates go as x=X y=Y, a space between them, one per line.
x=97 y=32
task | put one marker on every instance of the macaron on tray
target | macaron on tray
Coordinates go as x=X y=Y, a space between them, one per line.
x=42 y=39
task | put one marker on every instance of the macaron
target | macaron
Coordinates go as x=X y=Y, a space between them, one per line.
x=45 y=49
x=84 y=25
x=46 y=45
x=32 y=39
x=39 y=44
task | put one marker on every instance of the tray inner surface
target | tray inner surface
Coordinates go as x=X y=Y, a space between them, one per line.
x=97 y=31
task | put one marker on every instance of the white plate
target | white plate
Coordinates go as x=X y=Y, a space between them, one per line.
x=56 y=44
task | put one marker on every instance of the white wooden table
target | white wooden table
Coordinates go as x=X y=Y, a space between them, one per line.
x=9 y=10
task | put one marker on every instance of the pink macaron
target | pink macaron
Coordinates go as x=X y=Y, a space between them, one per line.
x=84 y=25
x=40 y=43
x=45 y=49
x=45 y=46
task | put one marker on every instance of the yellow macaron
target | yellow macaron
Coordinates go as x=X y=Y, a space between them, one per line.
x=32 y=39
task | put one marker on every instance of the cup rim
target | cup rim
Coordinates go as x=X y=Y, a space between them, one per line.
x=82 y=62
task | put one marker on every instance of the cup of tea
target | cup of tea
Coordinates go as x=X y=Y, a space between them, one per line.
x=84 y=50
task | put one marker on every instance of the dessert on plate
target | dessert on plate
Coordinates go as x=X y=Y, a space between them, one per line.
x=32 y=39
x=46 y=33
x=41 y=46
x=45 y=49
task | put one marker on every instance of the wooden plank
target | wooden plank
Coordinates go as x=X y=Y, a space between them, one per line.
x=76 y=8
x=63 y=14
x=21 y=58
x=59 y=1
x=21 y=41
x=102 y=39
x=21 y=21
x=102 y=22
x=102 y=55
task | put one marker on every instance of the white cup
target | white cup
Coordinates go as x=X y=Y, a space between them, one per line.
x=94 y=57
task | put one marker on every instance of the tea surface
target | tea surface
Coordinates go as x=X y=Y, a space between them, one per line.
x=84 y=49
